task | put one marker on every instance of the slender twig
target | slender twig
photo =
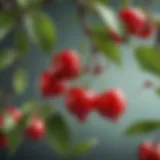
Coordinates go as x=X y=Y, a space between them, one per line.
x=82 y=16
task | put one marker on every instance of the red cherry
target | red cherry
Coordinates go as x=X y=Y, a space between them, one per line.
x=147 y=31
x=15 y=113
x=66 y=64
x=51 y=86
x=80 y=102
x=36 y=129
x=149 y=150
x=115 y=37
x=3 y=141
x=134 y=19
x=111 y=104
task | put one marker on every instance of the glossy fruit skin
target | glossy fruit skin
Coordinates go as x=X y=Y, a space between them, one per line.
x=111 y=104
x=51 y=86
x=134 y=19
x=15 y=113
x=147 y=31
x=36 y=129
x=80 y=102
x=66 y=65
x=149 y=150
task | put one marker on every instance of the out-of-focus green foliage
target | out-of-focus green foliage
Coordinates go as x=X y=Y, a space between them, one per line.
x=142 y=127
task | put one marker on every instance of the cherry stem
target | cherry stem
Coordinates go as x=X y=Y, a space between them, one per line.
x=82 y=16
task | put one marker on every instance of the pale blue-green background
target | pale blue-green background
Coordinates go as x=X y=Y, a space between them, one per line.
x=113 y=145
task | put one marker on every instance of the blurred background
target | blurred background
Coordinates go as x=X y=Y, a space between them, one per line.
x=130 y=78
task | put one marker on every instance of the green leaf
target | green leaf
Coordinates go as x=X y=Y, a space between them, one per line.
x=8 y=123
x=7 y=58
x=109 y=18
x=148 y=58
x=142 y=127
x=83 y=147
x=58 y=134
x=15 y=137
x=21 y=43
x=41 y=30
x=125 y=3
x=156 y=18
x=20 y=81
x=26 y=3
x=14 y=141
x=46 y=111
x=29 y=107
x=6 y=24
x=102 y=41
x=158 y=91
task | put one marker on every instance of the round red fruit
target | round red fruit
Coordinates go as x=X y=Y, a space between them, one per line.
x=149 y=150
x=36 y=129
x=134 y=19
x=80 y=102
x=66 y=65
x=15 y=113
x=111 y=104
x=3 y=141
x=51 y=86
x=148 y=31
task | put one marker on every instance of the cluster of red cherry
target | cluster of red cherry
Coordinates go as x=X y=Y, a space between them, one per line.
x=137 y=24
x=149 y=150
x=66 y=66
x=34 y=131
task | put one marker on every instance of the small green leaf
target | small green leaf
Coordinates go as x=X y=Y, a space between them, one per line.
x=20 y=81
x=148 y=58
x=15 y=136
x=26 y=3
x=105 y=44
x=125 y=3
x=7 y=58
x=46 y=111
x=41 y=30
x=58 y=134
x=21 y=43
x=8 y=123
x=142 y=127
x=29 y=107
x=158 y=91
x=6 y=24
x=14 y=141
x=109 y=17
x=83 y=147
x=156 y=18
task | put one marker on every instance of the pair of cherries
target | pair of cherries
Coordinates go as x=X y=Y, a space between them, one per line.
x=136 y=23
x=110 y=104
x=65 y=66
x=35 y=129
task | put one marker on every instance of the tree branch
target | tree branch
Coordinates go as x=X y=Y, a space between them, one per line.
x=82 y=16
